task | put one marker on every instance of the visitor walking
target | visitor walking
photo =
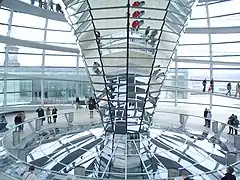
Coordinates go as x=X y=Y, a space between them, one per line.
x=204 y=83
x=46 y=95
x=91 y=105
x=229 y=175
x=229 y=87
x=32 y=2
x=235 y=124
x=23 y=117
x=237 y=90
x=40 y=112
x=45 y=4
x=50 y=5
x=29 y=175
x=77 y=103
x=17 y=121
x=211 y=87
x=205 y=116
x=54 y=114
x=40 y=3
x=230 y=122
x=3 y=123
x=86 y=101
x=59 y=8
x=209 y=118
x=48 y=113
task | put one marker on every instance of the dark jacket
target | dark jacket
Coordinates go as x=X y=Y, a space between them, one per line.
x=91 y=104
x=204 y=82
x=40 y=112
x=228 y=176
x=54 y=112
x=205 y=113
x=229 y=87
x=77 y=100
x=18 y=119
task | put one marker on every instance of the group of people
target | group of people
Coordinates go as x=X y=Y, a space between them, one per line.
x=233 y=121
x=39 y=94
x=211 y=87
x=49 y=114
x=229 y=89
x=19 y=118
x=207 y=116
x=48 y=5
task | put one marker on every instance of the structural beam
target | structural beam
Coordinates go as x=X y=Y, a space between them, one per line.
x=26 y=8
x=213 y=30
x=37 y=45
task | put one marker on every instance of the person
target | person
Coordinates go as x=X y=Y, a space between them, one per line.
x=229 y=87
x=205 y=116
x=185 y=175
x=229 y=175
x=86 y=101
x=91 y=106
x=40 y=3
x=46 y=95
x=59 y=8
x=209 y=117
x=29 y=175
x=36 y=95
x=54 y=114
x=23 y=117
x=204 y=83
x=32 y=2
x=50 y=5
x=40 y=112
x=230 y=122
x=3 y=123
x=48 y=113
x=39 y=94
x=45 y=5
x=77 y=103
x=211 y=88
x=235 y=123
x=17 y=121
x=95 y=68
x=237 y=90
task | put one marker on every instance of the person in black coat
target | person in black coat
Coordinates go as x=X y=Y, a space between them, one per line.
x=77 y=103
x=54 y=114
x=229 y=175
x=91 y=106
x=41 y=115
x=205 y=116
x=204 y=83
x=17 y=121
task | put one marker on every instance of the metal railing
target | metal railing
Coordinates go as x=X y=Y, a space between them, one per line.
x=12 y=165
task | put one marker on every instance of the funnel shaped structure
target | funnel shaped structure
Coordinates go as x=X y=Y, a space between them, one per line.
x=127 y=47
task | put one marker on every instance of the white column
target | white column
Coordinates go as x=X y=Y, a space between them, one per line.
x=176 y=78
x=77 y=74
x=43 y=62
x=6 y=60
x=210 y=50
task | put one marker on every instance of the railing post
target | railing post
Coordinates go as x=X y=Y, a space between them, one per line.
x=69 y=117
x=215 y=127
x=16 y=138
x=183 y=121
x=220 y=130
x=38 y=124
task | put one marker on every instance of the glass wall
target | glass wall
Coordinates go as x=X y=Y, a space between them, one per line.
x=59 y=72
